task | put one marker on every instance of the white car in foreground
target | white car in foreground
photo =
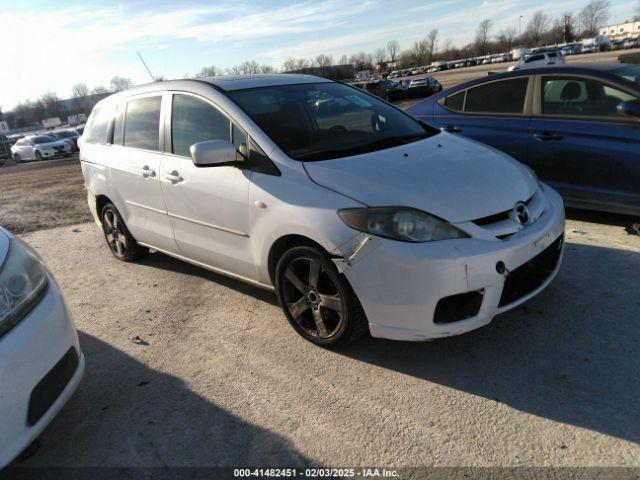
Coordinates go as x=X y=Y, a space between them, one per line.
x=40 y=359
x=359 y=216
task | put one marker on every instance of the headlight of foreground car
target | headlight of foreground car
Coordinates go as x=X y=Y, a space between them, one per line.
x=23 y=279
x=400 y=223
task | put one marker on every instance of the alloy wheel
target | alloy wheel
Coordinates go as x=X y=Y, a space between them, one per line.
x=312 y=298
x=113 y=231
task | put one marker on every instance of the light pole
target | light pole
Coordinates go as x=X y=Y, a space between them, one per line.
x=520 y=26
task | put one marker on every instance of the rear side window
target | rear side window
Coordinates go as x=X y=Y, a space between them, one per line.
x=504 y=96
x=193 y=121
x=455 y=101
x=582 y=97
x=142 y=123
x=97 y=129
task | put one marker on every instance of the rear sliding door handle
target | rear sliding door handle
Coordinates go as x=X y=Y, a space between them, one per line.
x=146 y=172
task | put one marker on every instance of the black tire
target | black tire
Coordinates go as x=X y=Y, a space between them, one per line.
x=120 y=241
x=38 y=156
x=324 y=311
x=16 y=158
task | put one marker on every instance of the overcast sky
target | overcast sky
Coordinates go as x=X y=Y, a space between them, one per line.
x=50 y=46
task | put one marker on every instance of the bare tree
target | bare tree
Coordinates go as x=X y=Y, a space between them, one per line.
x=267 y=69
x=80 y=90
x=568 y=27
x=324 y=61
x=210 y=71
x=380 y=56
x=636 y=17
x=594 y=15
x=392 y=49
x=432 y=44
x=289 y=65
x=537 y=26
x=482 y=36
x=343 y=60
x=506 y=38
x=249 y=67
x=99 y=90
x=418 y=52
x=118 y=84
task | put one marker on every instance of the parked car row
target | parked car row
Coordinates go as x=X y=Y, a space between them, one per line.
x=45 y=144
x=392 y=91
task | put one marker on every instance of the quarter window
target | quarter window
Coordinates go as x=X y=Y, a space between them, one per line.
x=455 y=101
x=142 y=123
x=98 y=124
x=584 y=97
x=501 y=97
x=193 y=121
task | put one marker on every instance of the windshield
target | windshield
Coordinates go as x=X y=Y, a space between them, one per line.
x=43 y=139
x=630 y=73
x=321 y=121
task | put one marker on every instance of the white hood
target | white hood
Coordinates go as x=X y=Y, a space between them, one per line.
x=452 y=177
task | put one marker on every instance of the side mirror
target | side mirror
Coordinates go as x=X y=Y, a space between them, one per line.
x=630 y=108
x=213 y=153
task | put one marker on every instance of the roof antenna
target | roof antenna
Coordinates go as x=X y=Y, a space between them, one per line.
x=145 y=66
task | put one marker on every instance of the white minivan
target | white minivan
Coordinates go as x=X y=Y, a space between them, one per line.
x=359 y=216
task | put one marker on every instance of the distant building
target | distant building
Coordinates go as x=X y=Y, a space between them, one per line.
x=621 y=30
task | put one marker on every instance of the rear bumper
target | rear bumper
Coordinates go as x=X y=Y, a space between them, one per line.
x=400 y=284
x=36 y=381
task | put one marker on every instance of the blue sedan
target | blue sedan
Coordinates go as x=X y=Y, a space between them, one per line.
x=577 y=126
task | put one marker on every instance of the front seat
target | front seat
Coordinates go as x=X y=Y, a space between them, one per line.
x=570 y=93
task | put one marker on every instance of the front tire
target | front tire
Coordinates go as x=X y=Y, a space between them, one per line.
x=121 y=243
x=317 y=299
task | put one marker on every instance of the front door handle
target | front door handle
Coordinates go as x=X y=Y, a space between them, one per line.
x=547 y=136
x=174 y=177
x=147 y=172
x=451 y=129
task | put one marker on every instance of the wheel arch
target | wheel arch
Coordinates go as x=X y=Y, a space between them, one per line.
x=284 y=243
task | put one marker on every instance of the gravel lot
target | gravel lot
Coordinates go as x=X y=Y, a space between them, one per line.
x=188 y=368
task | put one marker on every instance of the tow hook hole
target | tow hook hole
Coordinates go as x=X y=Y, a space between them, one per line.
x=501 y=268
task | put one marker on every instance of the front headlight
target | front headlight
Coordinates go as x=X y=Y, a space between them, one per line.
x=400 y=223
x=23 y=280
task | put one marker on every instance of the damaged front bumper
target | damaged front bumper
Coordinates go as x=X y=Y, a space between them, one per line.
x=401 y=284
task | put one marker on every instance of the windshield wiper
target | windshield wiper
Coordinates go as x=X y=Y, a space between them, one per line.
x=381 y=143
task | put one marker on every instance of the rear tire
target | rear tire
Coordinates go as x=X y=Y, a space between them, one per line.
x=120 y=241
x=16 y=158
x=38 y=156
x=317 y=300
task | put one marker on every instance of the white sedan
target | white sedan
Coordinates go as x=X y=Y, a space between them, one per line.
x=39 y=147
x=41 y=362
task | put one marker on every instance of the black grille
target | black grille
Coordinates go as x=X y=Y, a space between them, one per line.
x=498 y=217
x=458 y=307
x=529 y=276
x=51 y=386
